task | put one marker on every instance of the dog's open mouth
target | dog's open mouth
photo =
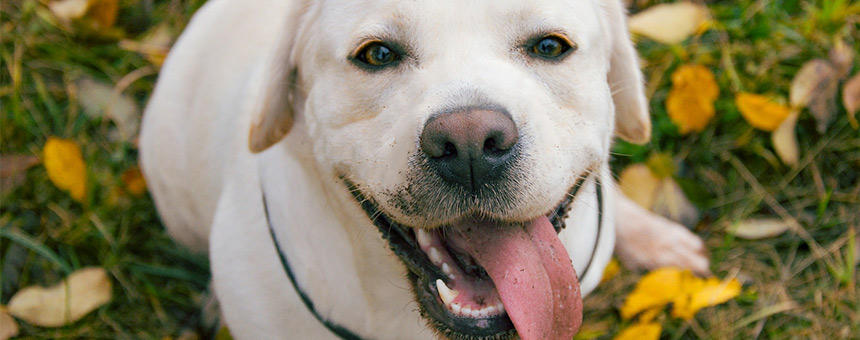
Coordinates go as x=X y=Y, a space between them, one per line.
x=479 y=278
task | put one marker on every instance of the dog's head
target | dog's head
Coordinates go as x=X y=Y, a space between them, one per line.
x=463 y=126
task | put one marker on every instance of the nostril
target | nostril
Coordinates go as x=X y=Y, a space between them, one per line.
x=490 y=146
x=449 y=150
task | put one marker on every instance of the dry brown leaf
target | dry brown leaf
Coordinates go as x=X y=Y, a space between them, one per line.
x=638 y=183
x=134 y=182
x=761 y=112
x=66 y=302
x=641 y=331
x=810 y=79
x=102 y=13
x=690 y=102
x=65 y=166
x=756 y=229
x=669 y=23
x=660 y=195
x=154 y=45
x=842 y=57
x=8 y=326
x=100 y=99
x=785 y=140
x=13 y=170
x=851 y=99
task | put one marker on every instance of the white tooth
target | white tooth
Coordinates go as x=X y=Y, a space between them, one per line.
x=447 y=294
x=456 y=308
x=491 y=310
x=423 y=237
x=435 y=257
x=476 y=313
x=467 y=311
x=500 y=307
x=446 y=269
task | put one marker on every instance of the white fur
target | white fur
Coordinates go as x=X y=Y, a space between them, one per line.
x=229 y=73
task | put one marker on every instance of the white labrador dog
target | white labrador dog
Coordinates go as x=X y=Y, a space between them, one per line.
x=401 y=169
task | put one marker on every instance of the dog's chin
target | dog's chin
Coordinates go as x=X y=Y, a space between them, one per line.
x=472 y=308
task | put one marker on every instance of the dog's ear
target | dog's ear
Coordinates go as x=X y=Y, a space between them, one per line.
x=632 y=122
x=274 y=114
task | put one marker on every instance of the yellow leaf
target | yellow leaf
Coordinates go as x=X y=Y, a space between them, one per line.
x=134 y=182
x=760 y=111
x=641 y=331
x=65 y=166
x=654 y=290
x=66 y=302
x=8 y=326
x=690 y=103
x=704 y=293
x=649 y=315
x=612 y=269
x=670 y=23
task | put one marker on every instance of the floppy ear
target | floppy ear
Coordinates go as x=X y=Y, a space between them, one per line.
x=632 y=122
x=274 y=116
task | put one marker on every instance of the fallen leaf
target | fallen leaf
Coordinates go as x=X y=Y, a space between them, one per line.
x=650 y=314
x=641 y=331
x=80 y=293
x=687 y=293
x=785 y=140
x=842 y=58
x=154 y=45
x=851 y=99
x=134 y=182
x=671 y=202
x=8 y=326
x=659 y=195
x=639 y=183
x=69 y=9
x=612 y=269
x=100 y=99
x=704 y=293
x=810 y=79
x=13 y=170
x=65 y=166
x=92 y=16
x=761 y=112
x=690 y=102
x=669 y=23
x=755 y=229
x=654 y=290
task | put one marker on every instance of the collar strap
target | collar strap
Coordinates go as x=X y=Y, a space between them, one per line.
x=343 y=332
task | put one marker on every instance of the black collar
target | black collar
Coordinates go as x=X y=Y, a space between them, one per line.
x=343 y=332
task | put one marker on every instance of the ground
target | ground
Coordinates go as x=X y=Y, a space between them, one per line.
x=800 y=284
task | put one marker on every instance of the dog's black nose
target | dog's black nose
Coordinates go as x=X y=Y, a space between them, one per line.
x=470 y=147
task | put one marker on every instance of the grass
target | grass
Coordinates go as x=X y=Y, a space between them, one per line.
x=801 y=284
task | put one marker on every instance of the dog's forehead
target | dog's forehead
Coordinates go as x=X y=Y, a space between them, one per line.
x=440 y=20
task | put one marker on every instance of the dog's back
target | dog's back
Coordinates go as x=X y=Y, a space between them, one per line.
x=201 y=93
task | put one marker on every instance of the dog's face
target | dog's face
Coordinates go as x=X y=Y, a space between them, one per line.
x=455 y=122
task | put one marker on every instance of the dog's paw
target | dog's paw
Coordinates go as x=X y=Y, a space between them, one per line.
x=648 y=241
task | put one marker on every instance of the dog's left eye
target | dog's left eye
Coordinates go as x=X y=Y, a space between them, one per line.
x=376 y=55
x=551 y=47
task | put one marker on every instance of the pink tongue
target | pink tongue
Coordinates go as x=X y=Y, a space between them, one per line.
x=531 y=271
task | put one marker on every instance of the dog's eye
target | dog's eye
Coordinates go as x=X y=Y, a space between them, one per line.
x=376 y=55
x=551 y=47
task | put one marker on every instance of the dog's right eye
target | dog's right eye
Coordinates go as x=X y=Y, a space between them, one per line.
x=376 y=55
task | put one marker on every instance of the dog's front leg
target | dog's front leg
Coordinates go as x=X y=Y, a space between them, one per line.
x=647 y=240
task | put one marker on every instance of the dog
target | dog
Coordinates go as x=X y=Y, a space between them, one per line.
x=403 y=169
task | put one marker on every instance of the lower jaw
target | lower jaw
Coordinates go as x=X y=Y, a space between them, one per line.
x=456 y=327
